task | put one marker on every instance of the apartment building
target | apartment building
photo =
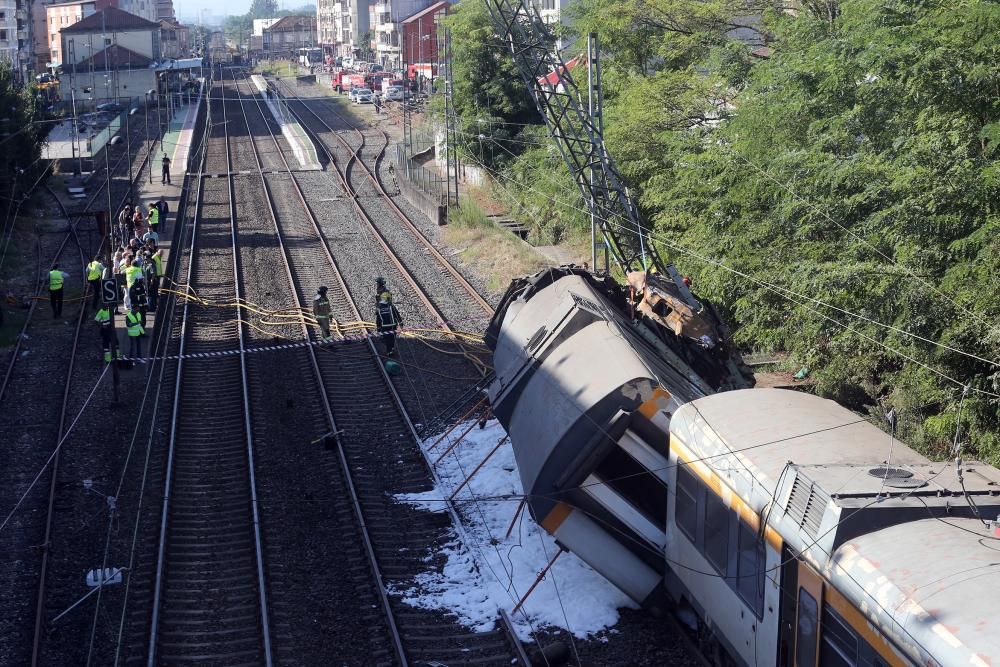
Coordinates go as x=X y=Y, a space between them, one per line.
x=351 y=24
x=8 y=31
x=59 y=16
x=175 y=40
x=419 y=37
x=165 y=11
x=326 y=26
x=108 y=55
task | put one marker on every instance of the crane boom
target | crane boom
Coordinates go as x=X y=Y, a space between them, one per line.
x=576 y=133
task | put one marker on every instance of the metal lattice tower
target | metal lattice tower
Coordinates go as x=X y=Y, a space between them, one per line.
x=577 y=134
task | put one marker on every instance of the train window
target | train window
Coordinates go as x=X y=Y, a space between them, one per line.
x=750 y=568
x=805 y=629
x=636 y=484
x=687 y=503
x=717 y=531
x=838 y=644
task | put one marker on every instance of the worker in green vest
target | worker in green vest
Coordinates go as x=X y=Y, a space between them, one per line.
x=133 y=273
x=103 y=319
x=95 y=270
x=154 y=284
x=56 y=279
x=153 y=218
x=133 y=322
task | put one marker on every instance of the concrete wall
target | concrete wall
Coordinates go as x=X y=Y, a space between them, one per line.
x=437 y=213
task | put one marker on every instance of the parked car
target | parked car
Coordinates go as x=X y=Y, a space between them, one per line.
x=347 y=61
x=394 y=94
x=355 y=91
x=110 y=107
x=364 y=96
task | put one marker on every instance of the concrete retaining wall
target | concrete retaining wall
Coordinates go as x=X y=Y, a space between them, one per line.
x=436 y=212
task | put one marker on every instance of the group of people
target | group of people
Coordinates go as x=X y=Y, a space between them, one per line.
x=136 y=266
x=387 y=318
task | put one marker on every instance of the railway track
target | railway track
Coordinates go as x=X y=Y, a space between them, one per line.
x=209 y=594
x=379 y=206
x=37 y=415
x=377 y=449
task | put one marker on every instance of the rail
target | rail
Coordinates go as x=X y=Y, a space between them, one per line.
x=364 y=367
x=192 y=447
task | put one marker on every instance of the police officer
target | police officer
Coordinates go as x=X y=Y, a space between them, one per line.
x=387 y=320
x=103 y=319
x=133 y=322
x=321 y=311
x=56 y=279
x=94 y=272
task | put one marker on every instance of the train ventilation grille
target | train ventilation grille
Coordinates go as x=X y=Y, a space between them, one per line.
x=806 y=505
x=536 y=339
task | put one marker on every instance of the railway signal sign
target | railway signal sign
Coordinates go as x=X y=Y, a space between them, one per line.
x=109 y=290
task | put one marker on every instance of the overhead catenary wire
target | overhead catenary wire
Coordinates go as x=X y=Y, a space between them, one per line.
x=55 y=451
x=791 y=295
x=627 y=225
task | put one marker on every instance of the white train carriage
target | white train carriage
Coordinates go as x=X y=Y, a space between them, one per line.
x=800 y=534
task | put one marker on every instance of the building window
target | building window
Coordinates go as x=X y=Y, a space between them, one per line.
x=3 y=35
x=3 y=15
x=107 y=41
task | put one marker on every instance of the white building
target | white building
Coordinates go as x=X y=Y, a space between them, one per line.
x=350 y=25
x=109 y=55
x=260 y=25
x=8 y=30
x=386 y=19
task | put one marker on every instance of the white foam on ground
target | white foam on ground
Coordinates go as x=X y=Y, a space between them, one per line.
x=493 y=571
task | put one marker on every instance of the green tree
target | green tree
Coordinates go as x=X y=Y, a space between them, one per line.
x=490 y=96
x=860 y=168
x=263 y=9
x=19 y=132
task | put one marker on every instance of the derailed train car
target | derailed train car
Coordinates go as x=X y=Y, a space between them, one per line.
x=795 y=532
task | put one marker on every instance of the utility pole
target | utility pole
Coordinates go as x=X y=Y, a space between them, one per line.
x=451 y=131
x=595 y=108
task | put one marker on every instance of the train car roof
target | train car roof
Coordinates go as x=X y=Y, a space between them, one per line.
x=936 y=581
x=770 y=428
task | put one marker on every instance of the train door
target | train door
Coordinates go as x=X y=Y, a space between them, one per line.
x=808 y=601
x=786 y=607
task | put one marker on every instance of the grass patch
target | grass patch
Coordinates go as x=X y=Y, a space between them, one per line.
x=494 y=253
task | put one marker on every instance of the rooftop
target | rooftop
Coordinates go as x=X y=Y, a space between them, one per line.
x=433 y=9
x=108 y=19
x=292 y=23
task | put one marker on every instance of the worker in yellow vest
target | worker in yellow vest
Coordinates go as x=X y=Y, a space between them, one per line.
x=56 y=279
x=95 y=271
x=103 y=319
x=153 y=217
x=133 y=273
x=133 y=323
x=154 y=286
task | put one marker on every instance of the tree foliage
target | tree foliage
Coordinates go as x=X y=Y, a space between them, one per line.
x=835 y=193
x=490 y=97
x=19 y=131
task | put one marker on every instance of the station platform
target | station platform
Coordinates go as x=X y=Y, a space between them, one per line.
x=177 y=144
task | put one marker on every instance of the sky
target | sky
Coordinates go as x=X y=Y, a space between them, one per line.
x=188 y=9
